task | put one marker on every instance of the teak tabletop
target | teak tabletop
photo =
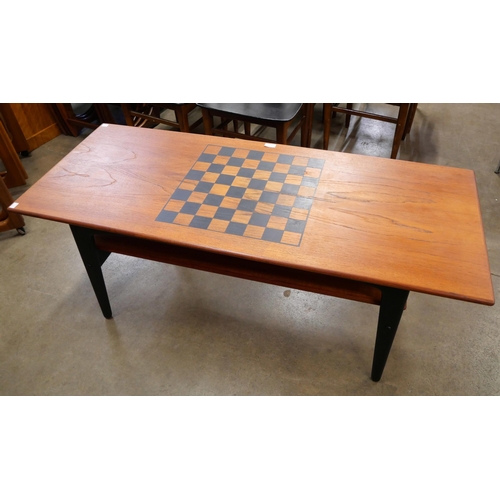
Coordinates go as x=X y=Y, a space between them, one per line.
x=389 y=223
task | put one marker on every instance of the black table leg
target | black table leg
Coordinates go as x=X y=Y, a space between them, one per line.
x=391 y=309
x=93 y=258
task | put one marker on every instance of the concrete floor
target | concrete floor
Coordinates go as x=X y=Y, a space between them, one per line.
x=182 y=332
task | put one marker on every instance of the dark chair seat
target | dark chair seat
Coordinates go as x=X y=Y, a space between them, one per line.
x=278 y=116
x=266 y=112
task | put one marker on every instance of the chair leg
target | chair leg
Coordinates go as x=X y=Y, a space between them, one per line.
x=327 y=122
x=208 y=122
x=282 y=133
x=104 y=113
x=181 y=115
x=400 y=128
x=307 y=125
x=409 y=120
x=127 y=115
x=348 y=116
x=66 y=114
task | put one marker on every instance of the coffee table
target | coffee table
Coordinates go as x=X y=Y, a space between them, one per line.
x=357 y=227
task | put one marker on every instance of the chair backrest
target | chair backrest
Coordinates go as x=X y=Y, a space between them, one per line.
x=151 y=115
x=72 y=120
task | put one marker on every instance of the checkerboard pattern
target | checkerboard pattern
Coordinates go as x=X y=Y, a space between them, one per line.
x=261 y=195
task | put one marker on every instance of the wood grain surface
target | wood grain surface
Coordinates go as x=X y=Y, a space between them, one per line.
x=386 y=222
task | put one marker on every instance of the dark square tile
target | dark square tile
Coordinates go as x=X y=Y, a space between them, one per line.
x=227 y=180
x=166 y=216
x=181 y=194
x=268 y=197
x=190 y=208
x=225 y=151
x=257 y=184
x=203 y=187
x=195 y=175
x=296 y=226
x=246 y=172
x=287 y=159
x=277 y=177
x=297 y=170
x=255 y=155
x=259 y=220
x=215 y=168
x=301 y=202
x=310 y=182
x=290 y=189
x=224 y=213
x=200 y=222
x=272 y=235
x=315 y=162
x=282 y=211
x=209 y=158
x=266 y=165
x=235 y=192
x=247 y=205
x=236 y=162
x=236 y=228
x=213 y=200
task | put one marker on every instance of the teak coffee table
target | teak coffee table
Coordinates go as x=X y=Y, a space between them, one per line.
x=357 y=227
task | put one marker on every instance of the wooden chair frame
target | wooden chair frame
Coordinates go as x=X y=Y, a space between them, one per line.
x=149 y=115
x=403 y=121
x=8 y=220
x=72 y=124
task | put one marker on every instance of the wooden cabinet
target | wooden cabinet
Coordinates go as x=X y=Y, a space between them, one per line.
x=29 y=125
x=14 y=174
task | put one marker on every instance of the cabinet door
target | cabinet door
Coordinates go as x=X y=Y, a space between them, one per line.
x=30 y=125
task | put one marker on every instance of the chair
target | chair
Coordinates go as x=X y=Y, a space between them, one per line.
x=277 y=116
x=149 y=115
x=403 y=121
x=72 y=122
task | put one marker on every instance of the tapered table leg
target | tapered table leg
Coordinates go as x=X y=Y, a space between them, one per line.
x=391 y=309
x=93 y=258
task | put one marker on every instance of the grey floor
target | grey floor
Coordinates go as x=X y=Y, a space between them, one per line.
x=182 y=332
